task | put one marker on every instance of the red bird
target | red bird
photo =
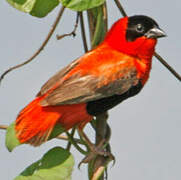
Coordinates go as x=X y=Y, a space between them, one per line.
x=97 y=81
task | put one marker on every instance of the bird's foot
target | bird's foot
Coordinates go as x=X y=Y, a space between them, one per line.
x=97 y=150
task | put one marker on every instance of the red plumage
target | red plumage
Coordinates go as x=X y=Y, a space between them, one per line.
x=35 y=123
x=118 y=66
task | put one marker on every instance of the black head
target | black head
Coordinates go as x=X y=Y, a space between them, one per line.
x=140 y=25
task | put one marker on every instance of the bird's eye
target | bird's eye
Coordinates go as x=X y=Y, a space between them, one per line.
x=140 y=28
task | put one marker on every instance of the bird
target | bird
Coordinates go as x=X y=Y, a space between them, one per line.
x=115 y=70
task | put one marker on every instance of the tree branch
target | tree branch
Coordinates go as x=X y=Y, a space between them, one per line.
x=41 y=47
x=100 y=163
x=178 y=76
x=3 y=127
x=83 y=32
x=72 y=135
x=73 y=33
x=120 y=7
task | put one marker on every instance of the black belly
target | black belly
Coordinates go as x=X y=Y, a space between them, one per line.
x=102 y=105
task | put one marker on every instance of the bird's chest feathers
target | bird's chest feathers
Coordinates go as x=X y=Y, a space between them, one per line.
x=143 y=67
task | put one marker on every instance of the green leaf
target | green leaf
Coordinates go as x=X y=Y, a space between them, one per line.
x=43 y=7
x=38 y=8
x=58 y=129
x=22 y=5
x=100 y=28
x=81 y=5
x=56 y=164
x=11 y=139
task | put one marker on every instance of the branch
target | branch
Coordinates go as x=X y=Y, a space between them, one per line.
x=73 y=142
x=120 y=7
x=72 y=135
x=65 y=138
x=3 y=127
x=100 y=163
x=98 y=173
x=163 y=62
x=71 y=33
x=178 y=76
x=41 y=47
x=83 y=32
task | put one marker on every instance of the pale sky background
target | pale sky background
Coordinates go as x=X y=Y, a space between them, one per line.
x=146 y=129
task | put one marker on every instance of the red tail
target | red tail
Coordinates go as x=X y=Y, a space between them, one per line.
x=35 y=123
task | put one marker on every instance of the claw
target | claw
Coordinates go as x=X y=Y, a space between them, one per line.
x=87 y=159
x=112 y=158
x=95 y=150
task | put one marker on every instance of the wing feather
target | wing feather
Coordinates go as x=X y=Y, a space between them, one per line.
x=57 y=77
x=79 y=89
x=100 y=73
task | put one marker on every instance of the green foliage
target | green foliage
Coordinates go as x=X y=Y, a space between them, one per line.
x=58 y=129
x=11 y=139
x=100 y=27
x=56 y=164
x=81 y=5
x=38 y=8
x=42 y=7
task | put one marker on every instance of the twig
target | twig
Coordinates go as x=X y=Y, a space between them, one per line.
x=71 y=33
x=83 y=32
x=98 y=172
x=62 y=137
x=100 y=162
x=167 y=66
x=105 y=16
x=172 y=70
x=120 y=7
x=92 y=23
x=3 y=127
x=72 y=135
x=41 y=47
x=75 y=144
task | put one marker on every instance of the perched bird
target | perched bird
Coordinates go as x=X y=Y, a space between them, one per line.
x=97 y=81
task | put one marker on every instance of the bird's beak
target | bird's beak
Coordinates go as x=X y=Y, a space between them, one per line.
x=155 y=32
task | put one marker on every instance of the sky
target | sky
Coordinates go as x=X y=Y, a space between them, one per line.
x=146 y=129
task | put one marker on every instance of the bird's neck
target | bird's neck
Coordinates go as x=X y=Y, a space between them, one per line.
x=141 y=49
x=144 y=58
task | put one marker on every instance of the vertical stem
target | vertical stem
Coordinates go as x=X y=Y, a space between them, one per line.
x=91 y=22
x=83 y=32
x=97 y=19
x=69 y=143
x=100 y=162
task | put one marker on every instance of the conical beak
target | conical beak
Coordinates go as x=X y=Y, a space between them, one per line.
x=155 y=32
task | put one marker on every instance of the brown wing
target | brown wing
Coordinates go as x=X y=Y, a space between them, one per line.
x=100 y=73
x=57 y=77
x=80 y=89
